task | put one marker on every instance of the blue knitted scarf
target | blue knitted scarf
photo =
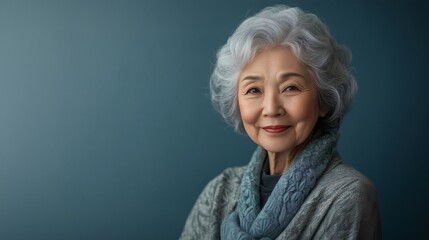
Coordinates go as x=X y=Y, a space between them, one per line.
x=249 y=221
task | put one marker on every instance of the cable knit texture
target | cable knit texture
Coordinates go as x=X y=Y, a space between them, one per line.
x=317 y=198
x=253 y=223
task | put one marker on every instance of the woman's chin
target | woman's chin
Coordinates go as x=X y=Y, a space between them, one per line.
x=276 y=148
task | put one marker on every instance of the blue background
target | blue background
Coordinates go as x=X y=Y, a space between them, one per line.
x=107 y=131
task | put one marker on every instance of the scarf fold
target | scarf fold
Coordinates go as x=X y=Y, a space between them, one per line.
x=249 y=221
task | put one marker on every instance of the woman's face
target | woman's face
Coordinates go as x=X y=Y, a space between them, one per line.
x=278 y=101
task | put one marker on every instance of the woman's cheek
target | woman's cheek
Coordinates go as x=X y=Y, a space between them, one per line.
x=302 y=108
x=248 y=112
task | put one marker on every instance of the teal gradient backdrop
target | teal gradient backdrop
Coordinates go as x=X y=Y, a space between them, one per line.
x=107 y=131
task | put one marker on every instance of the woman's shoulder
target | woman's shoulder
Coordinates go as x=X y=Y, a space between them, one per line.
x=346 y=178
x=351 y=205
x=342 y=205
x=224 y=187
x=218 y=199
x=344 y=189
x=231 y=175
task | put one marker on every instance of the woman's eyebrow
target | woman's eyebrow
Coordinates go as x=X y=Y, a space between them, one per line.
x=287 y=75
x=283 y=76
x=252 y=78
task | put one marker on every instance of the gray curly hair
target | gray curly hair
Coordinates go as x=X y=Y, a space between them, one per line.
x=309 y=40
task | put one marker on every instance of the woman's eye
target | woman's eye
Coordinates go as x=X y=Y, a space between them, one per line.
x=253 y=91
x=290 y=89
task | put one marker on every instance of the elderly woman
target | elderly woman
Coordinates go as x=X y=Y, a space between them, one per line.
x=283 y=79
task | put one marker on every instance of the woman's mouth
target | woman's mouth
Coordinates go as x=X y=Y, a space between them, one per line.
x=275 y=129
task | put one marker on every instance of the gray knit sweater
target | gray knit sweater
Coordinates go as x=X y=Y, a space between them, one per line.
x=342 y=205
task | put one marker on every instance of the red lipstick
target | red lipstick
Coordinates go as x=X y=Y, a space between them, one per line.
x=275 y=129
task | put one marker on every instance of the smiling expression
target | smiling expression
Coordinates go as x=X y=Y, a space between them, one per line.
x=278 y=101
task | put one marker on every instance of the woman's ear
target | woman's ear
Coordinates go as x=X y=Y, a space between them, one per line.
x=323 y=112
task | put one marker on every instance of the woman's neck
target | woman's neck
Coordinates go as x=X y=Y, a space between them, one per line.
x=280 y=162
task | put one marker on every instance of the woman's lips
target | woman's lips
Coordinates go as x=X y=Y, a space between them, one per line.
x=275 y=129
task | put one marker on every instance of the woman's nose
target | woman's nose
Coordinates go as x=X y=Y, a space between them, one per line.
x=272 y=106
